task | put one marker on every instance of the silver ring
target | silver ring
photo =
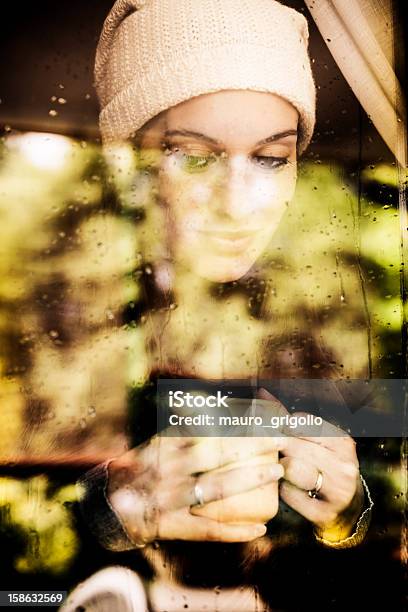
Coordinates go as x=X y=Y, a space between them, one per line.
x=319 y=481
x=198 y=494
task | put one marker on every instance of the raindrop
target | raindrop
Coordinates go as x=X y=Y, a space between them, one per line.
x=52 y=113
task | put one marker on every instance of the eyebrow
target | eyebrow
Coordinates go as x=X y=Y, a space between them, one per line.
x=191 y=134
x=200 y=136
x=278 y=136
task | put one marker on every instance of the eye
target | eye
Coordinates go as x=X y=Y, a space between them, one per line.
x=197 y=163
x=192 y=158
x=268 y=162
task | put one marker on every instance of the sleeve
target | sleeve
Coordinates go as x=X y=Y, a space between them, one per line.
x=97 y=511
x=361 y=526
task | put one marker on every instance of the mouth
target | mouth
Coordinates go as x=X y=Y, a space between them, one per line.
x=230 y=242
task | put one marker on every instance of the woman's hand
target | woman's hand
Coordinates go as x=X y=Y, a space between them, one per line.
x=339 y=502
x=152 y=487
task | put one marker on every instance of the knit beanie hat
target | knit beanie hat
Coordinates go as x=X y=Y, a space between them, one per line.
x=154 y=54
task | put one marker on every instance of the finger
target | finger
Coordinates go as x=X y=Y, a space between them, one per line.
x=306 y=450
x=269 y=404
x=181 y=525
x=339 y=482
x=330 y=436
x=213 y=453
x=283 y=421
x=213 y=486
x=315 y=510
x=262 y=393
x=217 y=486
x=302 y=474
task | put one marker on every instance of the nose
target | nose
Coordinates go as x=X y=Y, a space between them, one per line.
x=234 y=201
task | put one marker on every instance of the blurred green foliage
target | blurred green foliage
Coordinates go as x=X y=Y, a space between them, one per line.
x=78 y=232
x=44 y=522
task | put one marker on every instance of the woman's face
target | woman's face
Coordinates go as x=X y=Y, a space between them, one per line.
x=226 y=176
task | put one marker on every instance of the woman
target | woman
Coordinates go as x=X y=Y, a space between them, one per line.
x=219 y=96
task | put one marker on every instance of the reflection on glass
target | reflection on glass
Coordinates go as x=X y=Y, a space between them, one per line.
x=109 y=277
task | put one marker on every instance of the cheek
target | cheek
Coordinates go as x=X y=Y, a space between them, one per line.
x=270 y=193
x=188 y=198
x=262 y=192
x=199 y=193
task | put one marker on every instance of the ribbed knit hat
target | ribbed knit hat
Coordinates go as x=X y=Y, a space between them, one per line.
x=154 y=54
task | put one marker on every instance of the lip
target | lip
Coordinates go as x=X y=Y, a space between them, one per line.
x=230 y=242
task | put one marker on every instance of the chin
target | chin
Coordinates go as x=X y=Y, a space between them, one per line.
x=222 y=273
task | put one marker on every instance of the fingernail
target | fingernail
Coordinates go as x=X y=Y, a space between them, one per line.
x=263 y=393
x=277 y=470
x=260 y=530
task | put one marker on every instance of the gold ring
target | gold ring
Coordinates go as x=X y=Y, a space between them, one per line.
x=319 y=481
x=198 y=494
